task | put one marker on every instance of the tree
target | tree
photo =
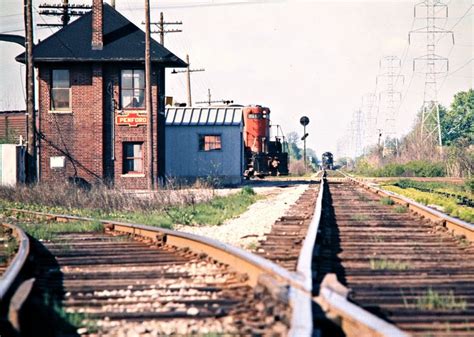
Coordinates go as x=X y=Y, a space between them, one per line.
x=457 y=123
x=293 y=150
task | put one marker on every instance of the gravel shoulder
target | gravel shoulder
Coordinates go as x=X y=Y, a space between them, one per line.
x=251 y=226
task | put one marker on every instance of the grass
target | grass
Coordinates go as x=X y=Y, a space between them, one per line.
x=386 y=264
x=432 y=300
x=386 y=201
x=209 y=212
x=400 y=209
x=10 y=245
x=360 y=217
x=449 y=205
x=47 y=231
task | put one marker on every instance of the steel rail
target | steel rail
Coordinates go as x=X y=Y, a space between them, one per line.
x=458 y=226
x=13 y=270
x=332 y=297
x=297 y=286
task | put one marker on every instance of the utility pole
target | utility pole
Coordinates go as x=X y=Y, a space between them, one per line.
x=30 y=92
x=390 y=99
x=162 y=30
x=64 y=10
x=148 y=101
x=434 y=66
x=210 y=101
x=188 y=72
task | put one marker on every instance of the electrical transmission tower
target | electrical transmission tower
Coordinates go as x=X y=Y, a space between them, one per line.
x=390 y=99
x=432 y=65
x=63 y=10
x=369 y=101
x=357 y=132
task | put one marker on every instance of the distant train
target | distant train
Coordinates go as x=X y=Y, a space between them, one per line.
x=327 y=161
x=263 y=156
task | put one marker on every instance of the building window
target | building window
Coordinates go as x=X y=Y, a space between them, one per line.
x=60 y=90
x=133 y=89
x=132 y=157
x=210 y=143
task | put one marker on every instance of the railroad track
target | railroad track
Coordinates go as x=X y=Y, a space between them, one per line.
x=398 y=265
x=112 y=283
x=283 y=244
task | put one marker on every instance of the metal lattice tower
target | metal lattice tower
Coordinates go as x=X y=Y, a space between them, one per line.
x=390 y=99
x=368 y=108
x=432 y=65
x=357 y=133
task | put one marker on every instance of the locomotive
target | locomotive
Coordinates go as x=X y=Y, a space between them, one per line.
x=327 y=161
x=263 y=156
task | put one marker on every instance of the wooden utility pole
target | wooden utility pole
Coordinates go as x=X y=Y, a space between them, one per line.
x=188 y=72
x=188 y=81
x=30 y=92
x=148 y=101
x=162 y=30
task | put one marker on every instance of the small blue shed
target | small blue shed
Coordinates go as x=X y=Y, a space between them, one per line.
x=204 y=143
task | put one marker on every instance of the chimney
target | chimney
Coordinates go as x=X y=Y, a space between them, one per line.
x=97 y=25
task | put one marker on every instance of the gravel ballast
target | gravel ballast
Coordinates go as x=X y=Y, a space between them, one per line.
x=251 y=226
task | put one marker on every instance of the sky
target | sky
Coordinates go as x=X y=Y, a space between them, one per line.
x=299 y=58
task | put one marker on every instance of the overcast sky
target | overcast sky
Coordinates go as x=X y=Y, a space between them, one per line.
x=313 y=58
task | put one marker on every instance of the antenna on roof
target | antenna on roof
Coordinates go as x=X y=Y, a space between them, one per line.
x=210 y=101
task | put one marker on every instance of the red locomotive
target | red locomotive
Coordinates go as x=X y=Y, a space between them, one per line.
x=263 y=156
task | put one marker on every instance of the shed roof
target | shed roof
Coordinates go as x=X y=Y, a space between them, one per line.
x=123 y=42
x=209 y=116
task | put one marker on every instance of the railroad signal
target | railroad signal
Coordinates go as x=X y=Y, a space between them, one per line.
x=304 y=120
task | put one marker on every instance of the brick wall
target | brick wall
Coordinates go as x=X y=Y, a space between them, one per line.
x=75 y=134
x=87 y=136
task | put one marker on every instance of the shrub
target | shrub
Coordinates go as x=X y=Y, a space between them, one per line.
x=247 y=190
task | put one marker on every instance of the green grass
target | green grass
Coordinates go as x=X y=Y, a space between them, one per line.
x=47 y=231
x=433 y=300
x=213 y=212
x=10 y=245
x=448 y=204
x=400 y=209
x=360 y=217
x=386 y=201
x=386 y=264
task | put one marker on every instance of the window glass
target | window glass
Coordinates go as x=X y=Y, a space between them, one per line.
x=210 y=143
x=133 y=89
x=60 y=89
x=132 y=157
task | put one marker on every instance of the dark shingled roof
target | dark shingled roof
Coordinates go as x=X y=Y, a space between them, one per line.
x=123 y=42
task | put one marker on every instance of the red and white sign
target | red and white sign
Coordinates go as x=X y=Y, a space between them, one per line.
x=132 y=119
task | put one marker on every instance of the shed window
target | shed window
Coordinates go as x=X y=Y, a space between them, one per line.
x=60 y=90
x=132 y=157
x=133 y=89
x=210 y=143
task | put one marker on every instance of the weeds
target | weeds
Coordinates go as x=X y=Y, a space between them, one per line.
x=360 y=217
x=47 y=231
x=386 y=201
x=400 y=209
x=385 y=264
x=433 y=300
x=449 y=204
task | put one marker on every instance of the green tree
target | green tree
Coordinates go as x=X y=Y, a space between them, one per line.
x=293 y=150
x=457 y=123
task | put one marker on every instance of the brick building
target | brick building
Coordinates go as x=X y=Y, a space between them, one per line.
x=92 y=120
